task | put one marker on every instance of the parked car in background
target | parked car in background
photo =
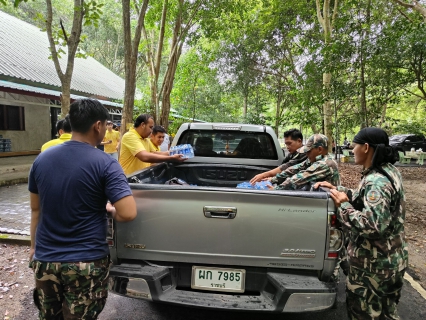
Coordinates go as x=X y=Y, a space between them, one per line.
x=406 y=142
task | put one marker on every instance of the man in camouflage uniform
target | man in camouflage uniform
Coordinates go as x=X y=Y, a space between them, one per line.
x=293 y=140
x=69 y=187
x=319 y=166
x=373 y=217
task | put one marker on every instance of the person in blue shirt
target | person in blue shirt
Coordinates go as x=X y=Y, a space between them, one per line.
x=69 y=186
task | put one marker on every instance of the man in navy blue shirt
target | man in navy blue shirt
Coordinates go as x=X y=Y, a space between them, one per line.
x=69 y=187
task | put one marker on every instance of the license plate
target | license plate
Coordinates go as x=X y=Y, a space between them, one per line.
x=218 y=279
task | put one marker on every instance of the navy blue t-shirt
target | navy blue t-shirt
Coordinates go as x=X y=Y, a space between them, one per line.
x=74 y=181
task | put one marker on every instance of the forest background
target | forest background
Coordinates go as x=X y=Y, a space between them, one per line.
x=317 y=65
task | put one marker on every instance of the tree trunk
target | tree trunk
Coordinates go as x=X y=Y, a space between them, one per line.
x=383 y=116
x=65 y=99
x=327 y=23
x=153 y=86
x=176 y=45
x=168 y=86
x=245 y=106
x=363 y=99
x=72 y=41
x=277 y=114
x=129 y=96
x=130 y=60
x=153 y=61
x=327 y=109
x=178 y=39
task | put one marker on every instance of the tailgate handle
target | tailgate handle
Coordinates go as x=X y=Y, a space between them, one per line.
x=220 y=212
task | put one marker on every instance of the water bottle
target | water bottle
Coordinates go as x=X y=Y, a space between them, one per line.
x=182 y=148
x=191 y=152
x=179 y=149
x=186 y=152
x=172 y=151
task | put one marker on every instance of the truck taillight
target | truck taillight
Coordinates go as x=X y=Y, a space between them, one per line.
x=335 y=236
x=110 y=232
x=332 y=219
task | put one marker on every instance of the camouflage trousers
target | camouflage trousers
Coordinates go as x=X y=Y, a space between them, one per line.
x=71 y=291
x=373 y=295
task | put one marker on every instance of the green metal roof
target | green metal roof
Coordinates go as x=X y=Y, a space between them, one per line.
x=24 y=57
x=49 y=93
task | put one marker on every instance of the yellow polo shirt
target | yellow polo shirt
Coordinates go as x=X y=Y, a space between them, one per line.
x=64 y=137
x=131 y=144
x=115 y=137
x=154 y=146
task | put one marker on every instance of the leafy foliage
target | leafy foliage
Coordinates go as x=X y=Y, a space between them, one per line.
x=262 y=61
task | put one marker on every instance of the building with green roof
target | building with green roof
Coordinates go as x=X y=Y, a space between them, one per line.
x=30 y=88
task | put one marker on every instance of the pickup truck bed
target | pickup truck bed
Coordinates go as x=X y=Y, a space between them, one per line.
x=280 y=244
x=209 y=244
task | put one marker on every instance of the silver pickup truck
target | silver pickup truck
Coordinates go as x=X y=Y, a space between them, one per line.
x=209 y=244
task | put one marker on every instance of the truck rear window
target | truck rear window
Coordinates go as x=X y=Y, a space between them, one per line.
x=237 y=144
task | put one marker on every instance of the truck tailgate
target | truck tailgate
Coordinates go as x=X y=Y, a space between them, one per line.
x=270 y=228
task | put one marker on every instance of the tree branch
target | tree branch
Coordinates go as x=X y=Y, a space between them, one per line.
x=407 y=17
x=415 y=94
x=404 y=4
x=336 y=3
x=161 y=38
x=320 y=18
x=74 y=38
x=416 y=6
x=52 y=45
x=63 y=30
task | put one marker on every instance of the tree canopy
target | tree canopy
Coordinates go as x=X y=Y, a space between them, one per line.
x=321 y=66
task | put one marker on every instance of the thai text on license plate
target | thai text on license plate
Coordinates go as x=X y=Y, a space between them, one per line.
x=218 y=279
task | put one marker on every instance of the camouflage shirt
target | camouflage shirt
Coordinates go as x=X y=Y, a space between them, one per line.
x=292 y=159
x=306 y=172
x=374 y=220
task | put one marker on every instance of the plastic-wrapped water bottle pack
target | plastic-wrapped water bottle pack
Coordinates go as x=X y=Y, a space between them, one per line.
x=262 y=185
x=185 y=149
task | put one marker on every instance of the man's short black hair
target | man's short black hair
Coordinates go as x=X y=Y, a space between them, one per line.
x=143 y=118
x=158 y=129
x=67 y=124
x=60 y=125
x=294 y=134
x=85 y=112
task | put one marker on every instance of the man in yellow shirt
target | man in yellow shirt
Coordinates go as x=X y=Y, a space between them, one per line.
x=111 y=141
x=157 y=137
x=63 y=127
x=137 y=151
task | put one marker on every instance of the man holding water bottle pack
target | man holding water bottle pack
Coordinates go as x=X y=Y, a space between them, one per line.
x=137 y=151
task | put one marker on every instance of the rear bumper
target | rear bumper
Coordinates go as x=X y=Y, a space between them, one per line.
x=269 y=290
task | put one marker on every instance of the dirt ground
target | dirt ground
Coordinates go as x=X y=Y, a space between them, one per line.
x=16 y=281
